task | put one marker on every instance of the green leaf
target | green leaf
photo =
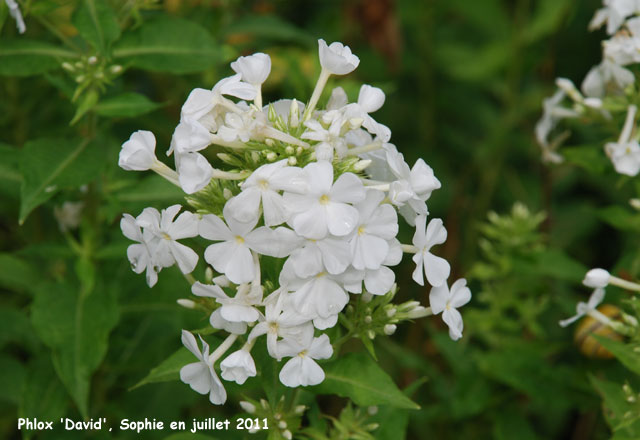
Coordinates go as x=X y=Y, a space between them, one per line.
x=620 y=218
x=86 y=103
x=50 y=164
x=270 y=27
x=615 y=401
x=589 y=157
x=97 y=23
x=169 y=369
x=359 y=378
x=16 y=327
x=11 y=379
x=168 y=45
x=28 y=57
x=43 y=396
x=625 y=353
x=556 y=264
x=17 y=274
x=547 y=18
x=76 y=329
x=10 y=177
x=126 y=104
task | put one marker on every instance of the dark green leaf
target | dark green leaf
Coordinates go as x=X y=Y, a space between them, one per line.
x=126 y=104
x=43 y=395
x=10 y=177
x=359 y=377
x=76 y=328
x=168 y=45
x=11 y=379
x=97 y=23
x=589 y=157
x=625 y=353
x=50 y=164
x=270 y=27
x=16 y=273
x=620 y=218
x=28 y=57
x=618 y=408
x=169 y=369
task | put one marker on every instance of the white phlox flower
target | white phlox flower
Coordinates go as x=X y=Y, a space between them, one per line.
x=140 y=254
x=376 y=281
x=302 y=369
x=167 y=250
x=14 y=11
x=138 y=153
x=329 y=139
x=200 y=375
x=254 y=69
x=625 y=153
x=614 y=13
x=330 y=254
x=337 y=58
x=583 y=308
x=238 y=367
x=377 y=224
x=240 y=308
x=326 y=208
x=445 y=300
x=194 y=172
x=597 y=278
x=436 y=268
x=262 y=188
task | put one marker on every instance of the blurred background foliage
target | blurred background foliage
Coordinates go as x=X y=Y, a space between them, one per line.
x=464 y=83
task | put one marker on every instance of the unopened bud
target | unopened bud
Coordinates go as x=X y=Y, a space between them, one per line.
x=419 y=312
x=367 y=297
x=371 y=427
x=270 y=142
x=362 y=164
x=227 y=194
x=277 y=416
x=392 y=311
x=368 y=319
x=115 y=69
x=294 y=114
x=372 y=410
x=79 y=78
x=355 y=123
x=92 y=60
x=389 y=329
x=186 y=303
x=282 y=424
x=371 y=334
x=631 y=320
x=248 y=407
x=299 y=410
x=635 y=204
x=68 y=67
x=255 y=156
x=292 y=161
x=289 y=150
x=221 y=281
x=272 y=156
x=79 y=65
x=299 y=150
x=287 y=434
x=208 y=274
x=264 y=404
x=98 y=75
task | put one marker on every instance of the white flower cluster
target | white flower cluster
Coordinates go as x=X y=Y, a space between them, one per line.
x=317 y=191
x=610 y=78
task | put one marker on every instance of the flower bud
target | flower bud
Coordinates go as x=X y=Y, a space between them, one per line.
x=92 y=60
x=186 y=303
x=227 y=194
x=248 y=407
x=362 y=164
x=289 y=150
x=299 y=410
x=115 y=69
x=221 y=281
x=389 y=329
x=282 y=424
x=596 y=278
x=287 y=434
x=367 y=297
x=68 y=67
x=269 y=142
x=271 y=156
x=254 y=69
x=208 y=274
x=372 y=410
x=368 y=319
x=294 y=114
x=292 y=161
x=138 y=153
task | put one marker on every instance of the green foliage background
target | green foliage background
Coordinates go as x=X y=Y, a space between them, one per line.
x=464 y=83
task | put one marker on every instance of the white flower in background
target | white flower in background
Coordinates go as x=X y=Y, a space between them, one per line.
x=614 y=13
x=254 y=69
x=583 y=308
x=302 y=369
x=338 y=99
x=168 y=251
x=262 y=188
x=238 y=367
x=14 y=11
x=138 y=153
x=329 y=139
x=140 y=254
x=326 y=207
x=68 y=215
x=194 y=172
x=200 y=375
x=625 y=153
x=441 y=299
x=413 y=187
x=596 y=278
x=337 y=58
x=606 y=76
x=436 y=268
x=376 y=226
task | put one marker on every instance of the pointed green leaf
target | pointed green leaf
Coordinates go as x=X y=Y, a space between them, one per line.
x=97 y=23
x=23 y=57
x=76 y=328
x=126 y=104
x=625 y=353
x=359 y=378
x=169 y=369
x=168 y=45
x=50 y=164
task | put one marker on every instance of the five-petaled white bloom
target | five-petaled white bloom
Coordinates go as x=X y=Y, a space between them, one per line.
x=254 y=69
x=445 y=300
x=238 y=367
x=200 y=375
x=436 y=268
x=302 y=369
x=337 y=58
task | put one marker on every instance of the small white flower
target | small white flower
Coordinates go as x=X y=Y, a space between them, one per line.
x=597 y=278
x=263 y=187
x=448 y=301
x=584 y=308
x=68 y=215
x=606 y=76
x=326 y=207
x=376 y=281
x=625 y=153
x=234 y=86
x=331 y=254
x=168 y=251
x=140 y=254
x=337 y=58
x=614 y=13
x=254 y=68
x=200 y=375
x=436 y=268
x=189 y=136
x=138 y=153
x=238 y=367
x=370 y=99
x=329 y=139
x=301 y=369
x=14 y=11
x=240 y=308
x=376 y=226
x=194 y=171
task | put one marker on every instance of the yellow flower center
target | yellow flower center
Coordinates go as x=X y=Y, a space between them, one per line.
x=239 y=239
x=361 y=230
x=324 y=199
x=263 y=184
x=166 y=236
